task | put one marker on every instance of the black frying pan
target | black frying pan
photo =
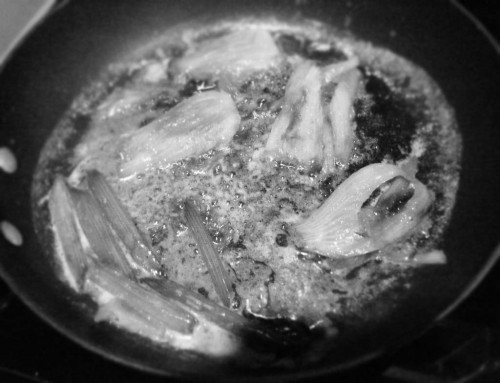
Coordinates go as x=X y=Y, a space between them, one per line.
x=77 y=41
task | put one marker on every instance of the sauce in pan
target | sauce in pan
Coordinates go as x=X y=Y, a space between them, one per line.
x=324 y=170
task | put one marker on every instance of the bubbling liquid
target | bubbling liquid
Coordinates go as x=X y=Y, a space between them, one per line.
x=250 y=203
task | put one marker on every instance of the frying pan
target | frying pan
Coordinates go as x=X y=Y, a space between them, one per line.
x=81 y=38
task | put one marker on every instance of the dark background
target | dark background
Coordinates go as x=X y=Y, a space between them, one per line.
x=31 y=351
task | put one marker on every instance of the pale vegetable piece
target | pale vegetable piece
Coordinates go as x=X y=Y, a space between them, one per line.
x=329 y=160
x=121 y=222
x=332 y=72
x=341 y=114
x=67 y=233
x=335 y=229
x=135 y=306
x=124 y=103
x=433 y=257
x=96 y=228
x=128 y=108
x=235 y=55
x=156 y=72
x=211 y=258
x=297 y=132
x=205 y=121
x=305 y=130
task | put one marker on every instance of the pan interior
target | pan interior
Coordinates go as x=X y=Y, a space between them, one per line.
x=362 y=295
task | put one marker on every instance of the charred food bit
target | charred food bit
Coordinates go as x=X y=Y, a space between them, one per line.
x=205 y=121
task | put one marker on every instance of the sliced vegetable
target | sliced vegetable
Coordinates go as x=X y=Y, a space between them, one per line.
x=385 y=201
x=332 y=72
x=222 y=317
x=301 y=131
x=63 y=218
x=205 y=121
x=121 y=222
x=338 y=228
x=129 y=301
x=234 y=55
x=213 y=312
x=96 y=228
x=212 y=260
x=340 y=114
x=297 y=132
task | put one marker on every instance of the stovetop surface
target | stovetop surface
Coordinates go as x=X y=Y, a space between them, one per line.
x=463 y=348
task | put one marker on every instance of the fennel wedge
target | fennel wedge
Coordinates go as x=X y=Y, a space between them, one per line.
x=205 y=121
